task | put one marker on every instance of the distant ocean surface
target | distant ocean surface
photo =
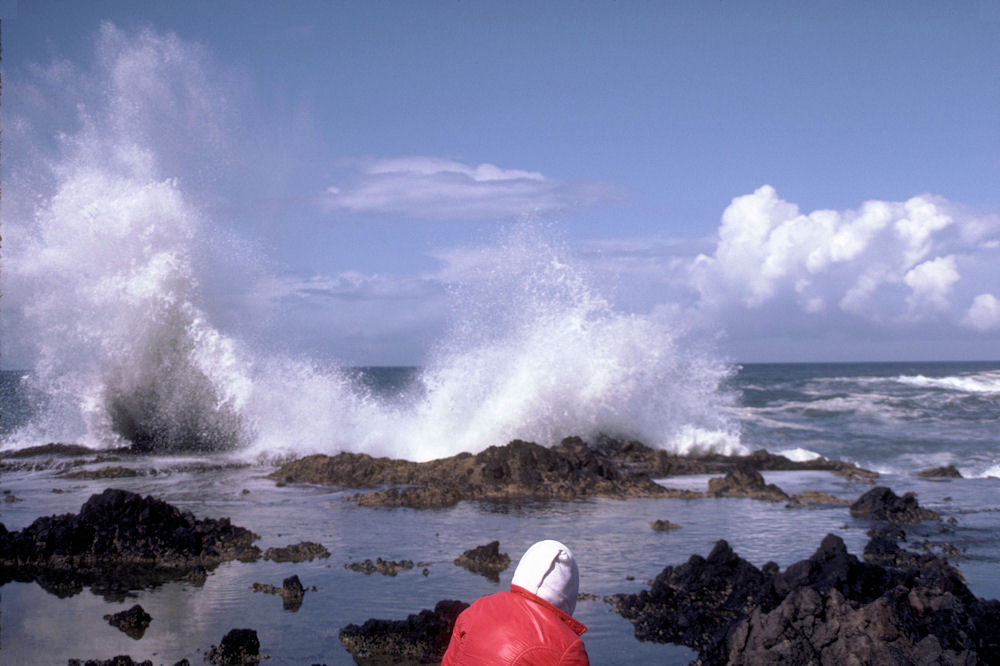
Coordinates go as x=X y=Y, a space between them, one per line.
x=894 y=418
x=888 y=417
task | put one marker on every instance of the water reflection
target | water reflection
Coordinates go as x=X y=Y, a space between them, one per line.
x=616 y=548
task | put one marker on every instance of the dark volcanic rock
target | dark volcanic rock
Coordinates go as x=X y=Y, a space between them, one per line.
x=120 y=541
x=239 y=647
x=519 y=470
x=120 y=660
x=744 y=481
x=809 y=498
x=880 y=503
x=133 y=621
x=299 y=552
x=112 y=472
x=895 y=608
x=384 y=567
x=486 y=560
x=949 y=472
x=526 y=471
x=291 y=592
x=664 y=525
x=694 y=603
x=419 y=639
x=52 y=449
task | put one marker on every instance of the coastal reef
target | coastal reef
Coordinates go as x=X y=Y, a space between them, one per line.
x=422 y=638
x=892 y=607
x=122 y=541
x=486 y=560
x=523 y=470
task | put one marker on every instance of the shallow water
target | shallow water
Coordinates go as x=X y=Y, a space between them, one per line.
x=611 y=539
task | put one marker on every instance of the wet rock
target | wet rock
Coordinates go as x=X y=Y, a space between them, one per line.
x=892 y=607
x=518 y=471
x=112 y=472
x=880 y=503
x=384 y=567
x=120 y=660
x=291 y=592
x=744 y=481
x=664 y=525
x=119 y=541
x=524 y=471
x=299 y=552
x=810 y=498
x=486 y=560
x=421 y=638
x=239 y=647
x=694 y=603
x=352 y=470
x=888 y=531
x=51 y=449
x=947 y=472
x=133 y=621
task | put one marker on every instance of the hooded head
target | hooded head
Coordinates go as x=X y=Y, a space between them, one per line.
x=548 y=569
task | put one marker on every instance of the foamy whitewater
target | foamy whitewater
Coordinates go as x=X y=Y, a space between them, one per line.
x=127 y=354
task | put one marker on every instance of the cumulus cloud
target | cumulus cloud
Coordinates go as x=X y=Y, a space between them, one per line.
x=433 y=188
x=885 y=262
x=984 y=315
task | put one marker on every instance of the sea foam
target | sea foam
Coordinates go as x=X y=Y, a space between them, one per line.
x=127 y=349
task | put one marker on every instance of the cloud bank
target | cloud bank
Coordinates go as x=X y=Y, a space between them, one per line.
x=909 y=263
x=433 y=188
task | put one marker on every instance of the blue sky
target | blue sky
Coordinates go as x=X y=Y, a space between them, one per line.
x=803 y=181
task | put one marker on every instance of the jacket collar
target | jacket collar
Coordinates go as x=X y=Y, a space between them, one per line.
x=574 y=624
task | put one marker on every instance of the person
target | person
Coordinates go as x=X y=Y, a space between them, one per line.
x=532 y=624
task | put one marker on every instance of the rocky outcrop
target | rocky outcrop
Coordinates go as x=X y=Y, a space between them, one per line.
x=384 y=567
x=133 y=621
x=486 y=560
x=239 y=647
x=664 y=525
x=306 y=551
x=519 y=470
x=119 y=541
x=421 y=638
x=291 y=592
x=744 y=481
x=526 y=471
x=811 y=498
x=693 y=604
x=658 y=463
x=120 y=660
x=891 y=607
x=947 y=472
x=881 y=504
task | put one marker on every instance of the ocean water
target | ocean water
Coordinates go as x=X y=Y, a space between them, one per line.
x=894 y=418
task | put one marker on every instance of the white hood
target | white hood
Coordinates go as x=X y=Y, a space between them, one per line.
x=548 y=569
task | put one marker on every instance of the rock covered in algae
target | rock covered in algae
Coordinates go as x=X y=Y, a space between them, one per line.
x=880 y=503
x=520 y=470
x=422 y=638
x=891 y=607
x=486 y=560
x=120 y=540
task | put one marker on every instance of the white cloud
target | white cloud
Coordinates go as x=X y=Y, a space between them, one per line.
x=439 y=189
x=884 y=262
x=346 y=286
x=984 y=315
x=931 y=283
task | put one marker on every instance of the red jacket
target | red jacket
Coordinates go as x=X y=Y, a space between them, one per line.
x=515 y=628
